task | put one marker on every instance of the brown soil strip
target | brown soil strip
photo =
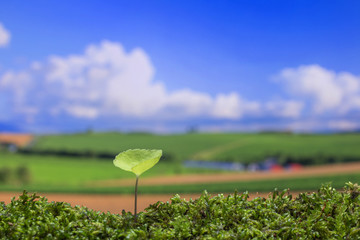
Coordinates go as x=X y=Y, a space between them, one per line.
x=323 y=170
x=112 y=203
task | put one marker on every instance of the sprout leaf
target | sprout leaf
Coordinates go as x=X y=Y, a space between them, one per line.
x=137 y=160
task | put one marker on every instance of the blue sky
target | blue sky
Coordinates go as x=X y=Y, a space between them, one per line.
x=164 y=66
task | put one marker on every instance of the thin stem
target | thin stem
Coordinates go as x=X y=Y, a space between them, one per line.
x=136 y=186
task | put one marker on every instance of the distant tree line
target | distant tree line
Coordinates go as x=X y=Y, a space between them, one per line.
x=317 y=159
x=282 y=158
x=82 y=154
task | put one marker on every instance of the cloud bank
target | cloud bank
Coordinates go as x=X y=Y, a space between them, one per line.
x=332 y=99
x=327 y=90
x=4 y=36
x=106 y=82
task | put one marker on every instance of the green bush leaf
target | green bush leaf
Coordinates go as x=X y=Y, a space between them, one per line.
x=137 y=160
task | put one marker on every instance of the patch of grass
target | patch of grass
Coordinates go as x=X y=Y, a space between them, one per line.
x=180 y=145
x=256 y=147
x=51 y=172
x=295 y=184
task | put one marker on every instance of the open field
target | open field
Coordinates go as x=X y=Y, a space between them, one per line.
x=296 y=184
x=325 y=170
x=50 y=173
x=21 y=140
x=69 y=171
x=210 y=146
x=55 y=174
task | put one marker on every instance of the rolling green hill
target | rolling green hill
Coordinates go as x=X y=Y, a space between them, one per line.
x=206 y=146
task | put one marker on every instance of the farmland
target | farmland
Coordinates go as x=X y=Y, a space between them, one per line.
x=54 y=173
x=211 y=146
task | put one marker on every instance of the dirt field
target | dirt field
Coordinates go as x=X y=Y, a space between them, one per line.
x=116 y=203
x=111 y=203
x=20 y=140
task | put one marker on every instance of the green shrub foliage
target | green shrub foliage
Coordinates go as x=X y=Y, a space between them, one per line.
x=326 y=214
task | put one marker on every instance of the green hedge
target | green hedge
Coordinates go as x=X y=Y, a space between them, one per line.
x=327 y=214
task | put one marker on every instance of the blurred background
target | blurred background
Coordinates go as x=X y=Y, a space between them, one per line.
x=255 y=90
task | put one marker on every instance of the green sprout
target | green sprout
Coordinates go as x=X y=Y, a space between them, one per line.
x=137 y=161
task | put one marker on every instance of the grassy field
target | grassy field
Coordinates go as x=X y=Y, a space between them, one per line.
x=206 y=146
x=180 y=146
x=52 y=172
x=78 y=186
x=56 y=174
x=66 y=174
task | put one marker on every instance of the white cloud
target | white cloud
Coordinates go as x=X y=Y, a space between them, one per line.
x=344 y=125
x=107 y=81
x=82 y=111
x=18 y=82
x=187 y=102
x=232 y=106
x=228 y=106
x=4 y=36
x=328 y=91
x=287 y=109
